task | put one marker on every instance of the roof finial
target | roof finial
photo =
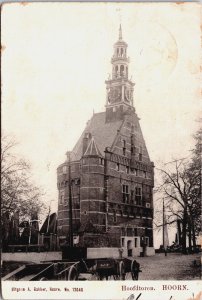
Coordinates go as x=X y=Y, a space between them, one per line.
x=120 y=33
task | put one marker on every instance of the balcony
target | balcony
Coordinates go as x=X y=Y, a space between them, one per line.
x=120 y=58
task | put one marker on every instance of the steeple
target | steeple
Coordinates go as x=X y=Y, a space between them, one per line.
x=120 y=33
x=119 y=87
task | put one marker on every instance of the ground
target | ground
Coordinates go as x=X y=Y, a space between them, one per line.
x=174 y=266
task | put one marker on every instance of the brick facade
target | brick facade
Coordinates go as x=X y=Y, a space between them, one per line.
x=111 y=174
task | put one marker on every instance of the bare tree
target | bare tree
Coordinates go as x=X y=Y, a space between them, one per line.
x=18 y=193
x=181 y=189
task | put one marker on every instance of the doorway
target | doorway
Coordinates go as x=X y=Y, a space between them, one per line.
x=129 y=248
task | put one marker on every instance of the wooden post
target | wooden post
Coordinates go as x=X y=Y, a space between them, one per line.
x=51 y=241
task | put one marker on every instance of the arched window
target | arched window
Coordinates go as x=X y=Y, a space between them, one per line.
x=116 y=71
x=127 y=72
x=122 y=70
x=121 y=52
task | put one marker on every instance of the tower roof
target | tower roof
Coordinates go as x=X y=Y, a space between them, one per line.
x=92 y=149
x=120 y=32
x=120 y=41
x=103 y=134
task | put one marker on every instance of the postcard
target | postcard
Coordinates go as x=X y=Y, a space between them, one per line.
x=101 y=150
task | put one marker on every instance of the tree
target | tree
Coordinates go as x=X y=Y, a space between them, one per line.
x=18 y=194
x=181 y=189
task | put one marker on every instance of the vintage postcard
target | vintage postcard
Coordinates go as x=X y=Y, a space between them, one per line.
x=101 y=150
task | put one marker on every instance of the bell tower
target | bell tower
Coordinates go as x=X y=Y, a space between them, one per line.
x=119 y=87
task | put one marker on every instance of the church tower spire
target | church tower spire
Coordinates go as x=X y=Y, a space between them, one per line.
x=119 y=87
x=120 y=33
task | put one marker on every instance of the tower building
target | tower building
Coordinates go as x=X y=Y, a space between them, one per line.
x=109 y=173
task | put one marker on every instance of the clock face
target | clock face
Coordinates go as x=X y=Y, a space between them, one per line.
x=114 y=95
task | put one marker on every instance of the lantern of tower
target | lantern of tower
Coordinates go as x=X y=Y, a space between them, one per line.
x=119 y=87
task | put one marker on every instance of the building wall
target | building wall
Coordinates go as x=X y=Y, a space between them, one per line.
x=98 y=194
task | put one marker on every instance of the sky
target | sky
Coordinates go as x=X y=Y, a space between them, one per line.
x=56 y=58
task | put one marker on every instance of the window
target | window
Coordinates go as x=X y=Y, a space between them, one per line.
x=138 y=195
x=140 y=154
x=123 y=231
x=114 y=217
x=121 y=52
x=135 y=231
x=136 y=172
x=102 y=161
x=145 y=174
x=133 y=150
x=116 y=69
x=124 y=147
x=125 y=193
x=132 y=196
x=117 y=167
x=122 y=70
x=64 y=169
x=126 y=71
x=127 y=169
x=129 y=231
x=62 y=196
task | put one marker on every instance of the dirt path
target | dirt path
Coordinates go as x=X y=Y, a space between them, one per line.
x=174 y=266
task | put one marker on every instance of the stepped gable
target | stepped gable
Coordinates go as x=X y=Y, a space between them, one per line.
x=103 y=133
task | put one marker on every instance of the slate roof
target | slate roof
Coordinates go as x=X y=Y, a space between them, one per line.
x=102 y=133
x=92 y=149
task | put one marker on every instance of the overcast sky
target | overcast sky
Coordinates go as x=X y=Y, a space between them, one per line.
x=56 y=57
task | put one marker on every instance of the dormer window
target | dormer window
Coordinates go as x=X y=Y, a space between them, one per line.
x=64 y=169
x=140 y=154
x=124 y=147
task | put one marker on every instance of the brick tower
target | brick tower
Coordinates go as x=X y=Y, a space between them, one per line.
x=111 y=173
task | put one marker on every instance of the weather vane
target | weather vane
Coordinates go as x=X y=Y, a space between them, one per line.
x=119 y=11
